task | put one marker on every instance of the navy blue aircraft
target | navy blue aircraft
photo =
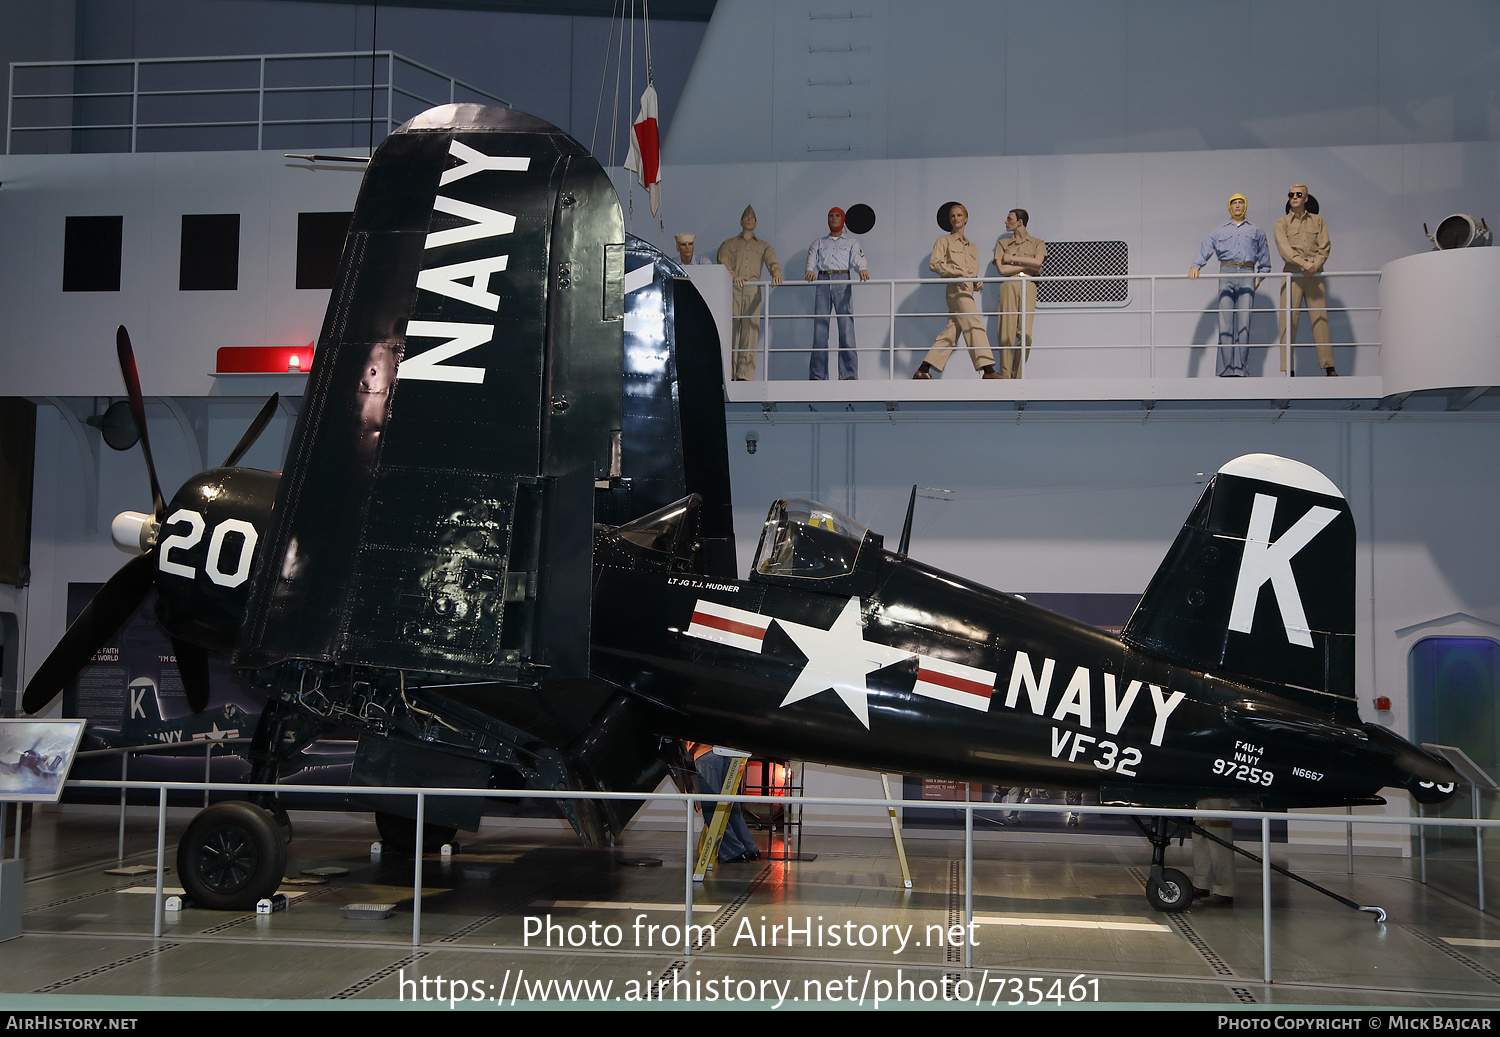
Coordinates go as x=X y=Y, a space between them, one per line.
x=503 y=552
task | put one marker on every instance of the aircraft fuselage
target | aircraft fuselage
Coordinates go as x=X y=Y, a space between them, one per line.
x=932 y=674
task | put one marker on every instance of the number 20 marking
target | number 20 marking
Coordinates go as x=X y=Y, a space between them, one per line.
x=211 y=564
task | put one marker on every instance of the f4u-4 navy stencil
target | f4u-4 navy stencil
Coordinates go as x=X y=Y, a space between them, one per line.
x=1266 y=561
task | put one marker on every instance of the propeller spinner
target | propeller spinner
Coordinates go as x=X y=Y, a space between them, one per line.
x=237 y=498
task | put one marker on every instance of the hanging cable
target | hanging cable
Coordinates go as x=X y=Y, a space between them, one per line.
x=646 y=22
x=630 y=123
x=614 y=116
x=661 y=227
x=604 y=76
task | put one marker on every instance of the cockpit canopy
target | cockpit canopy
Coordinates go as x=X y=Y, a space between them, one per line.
x=808 y=540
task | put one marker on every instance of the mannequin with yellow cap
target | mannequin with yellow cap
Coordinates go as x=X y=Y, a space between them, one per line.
x=744 y=255
x=1243 y=254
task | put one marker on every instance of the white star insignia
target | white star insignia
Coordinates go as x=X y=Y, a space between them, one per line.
x=838 y=660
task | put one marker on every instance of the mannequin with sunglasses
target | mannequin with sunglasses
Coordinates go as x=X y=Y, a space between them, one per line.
x=1302 y=240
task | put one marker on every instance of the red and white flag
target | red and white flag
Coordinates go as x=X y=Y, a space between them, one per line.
x=728 y=625
x=644 y=159
x=954 y=682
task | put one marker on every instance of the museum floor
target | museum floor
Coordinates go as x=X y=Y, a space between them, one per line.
x=1063 y=914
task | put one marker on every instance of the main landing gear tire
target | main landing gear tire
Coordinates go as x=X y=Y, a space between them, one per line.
x=398 y=834
x=1173 y=893
x=232 y=855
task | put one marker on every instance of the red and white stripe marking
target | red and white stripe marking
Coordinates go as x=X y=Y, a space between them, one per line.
x=728 y=625
x=955 y=683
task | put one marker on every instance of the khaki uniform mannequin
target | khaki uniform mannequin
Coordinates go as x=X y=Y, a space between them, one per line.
x=744 y=255
x=1302 y=240
x=954 y=255
x=1020 y=256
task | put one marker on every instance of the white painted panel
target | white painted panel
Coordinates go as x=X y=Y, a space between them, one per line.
x=1078 y=76
x=1312 y=70
x=726 y=109
x=1440 y=320
x=1064 y=98
x=947 y=87
x=63 y=343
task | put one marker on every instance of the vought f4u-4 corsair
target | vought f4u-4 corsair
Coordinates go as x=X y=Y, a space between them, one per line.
x=503 y=552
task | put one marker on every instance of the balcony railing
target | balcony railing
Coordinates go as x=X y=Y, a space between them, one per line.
x=1165 y=330
x=230 y=103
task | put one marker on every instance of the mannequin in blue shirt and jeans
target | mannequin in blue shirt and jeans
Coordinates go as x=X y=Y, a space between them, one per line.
x=832 y=258
x=1241 y=248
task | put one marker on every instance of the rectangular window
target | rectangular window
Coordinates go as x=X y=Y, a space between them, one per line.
x=210 y=256
x=320 y=243
x=91 y=253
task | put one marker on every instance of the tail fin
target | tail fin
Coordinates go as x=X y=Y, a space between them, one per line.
x=464 y=400
x=1259 y=585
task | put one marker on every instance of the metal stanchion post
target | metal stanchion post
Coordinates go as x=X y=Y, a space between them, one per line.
x=1349 y=841
x=968 y=883
x=124 y=764
x=687 y=871
x=416 y=885
x=765 y=350
x=161 y=864
x=1479 y=850
x=891 y=356
x=1265 y=891
x=1422 y=844
x=1151 y=346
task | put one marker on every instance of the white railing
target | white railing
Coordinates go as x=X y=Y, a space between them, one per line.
x=172 y=98
x=688 y=799
x=1153 y=334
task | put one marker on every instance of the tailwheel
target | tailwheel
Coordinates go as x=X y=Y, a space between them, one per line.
x=232 y=855
x=1173 y=892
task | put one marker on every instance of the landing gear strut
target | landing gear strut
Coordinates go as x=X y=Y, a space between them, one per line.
x=233 y=854
x=1378 y=912
x=1167 y=889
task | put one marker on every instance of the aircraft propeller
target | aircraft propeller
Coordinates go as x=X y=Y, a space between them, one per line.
x=123 y=593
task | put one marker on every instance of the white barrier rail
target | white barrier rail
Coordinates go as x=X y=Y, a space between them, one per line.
x=688 y=799
x=1172 y=316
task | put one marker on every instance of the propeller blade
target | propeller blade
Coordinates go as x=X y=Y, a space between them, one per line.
x=100 y=618
x=138 y=412
x=192 y=663
x=253 y=432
